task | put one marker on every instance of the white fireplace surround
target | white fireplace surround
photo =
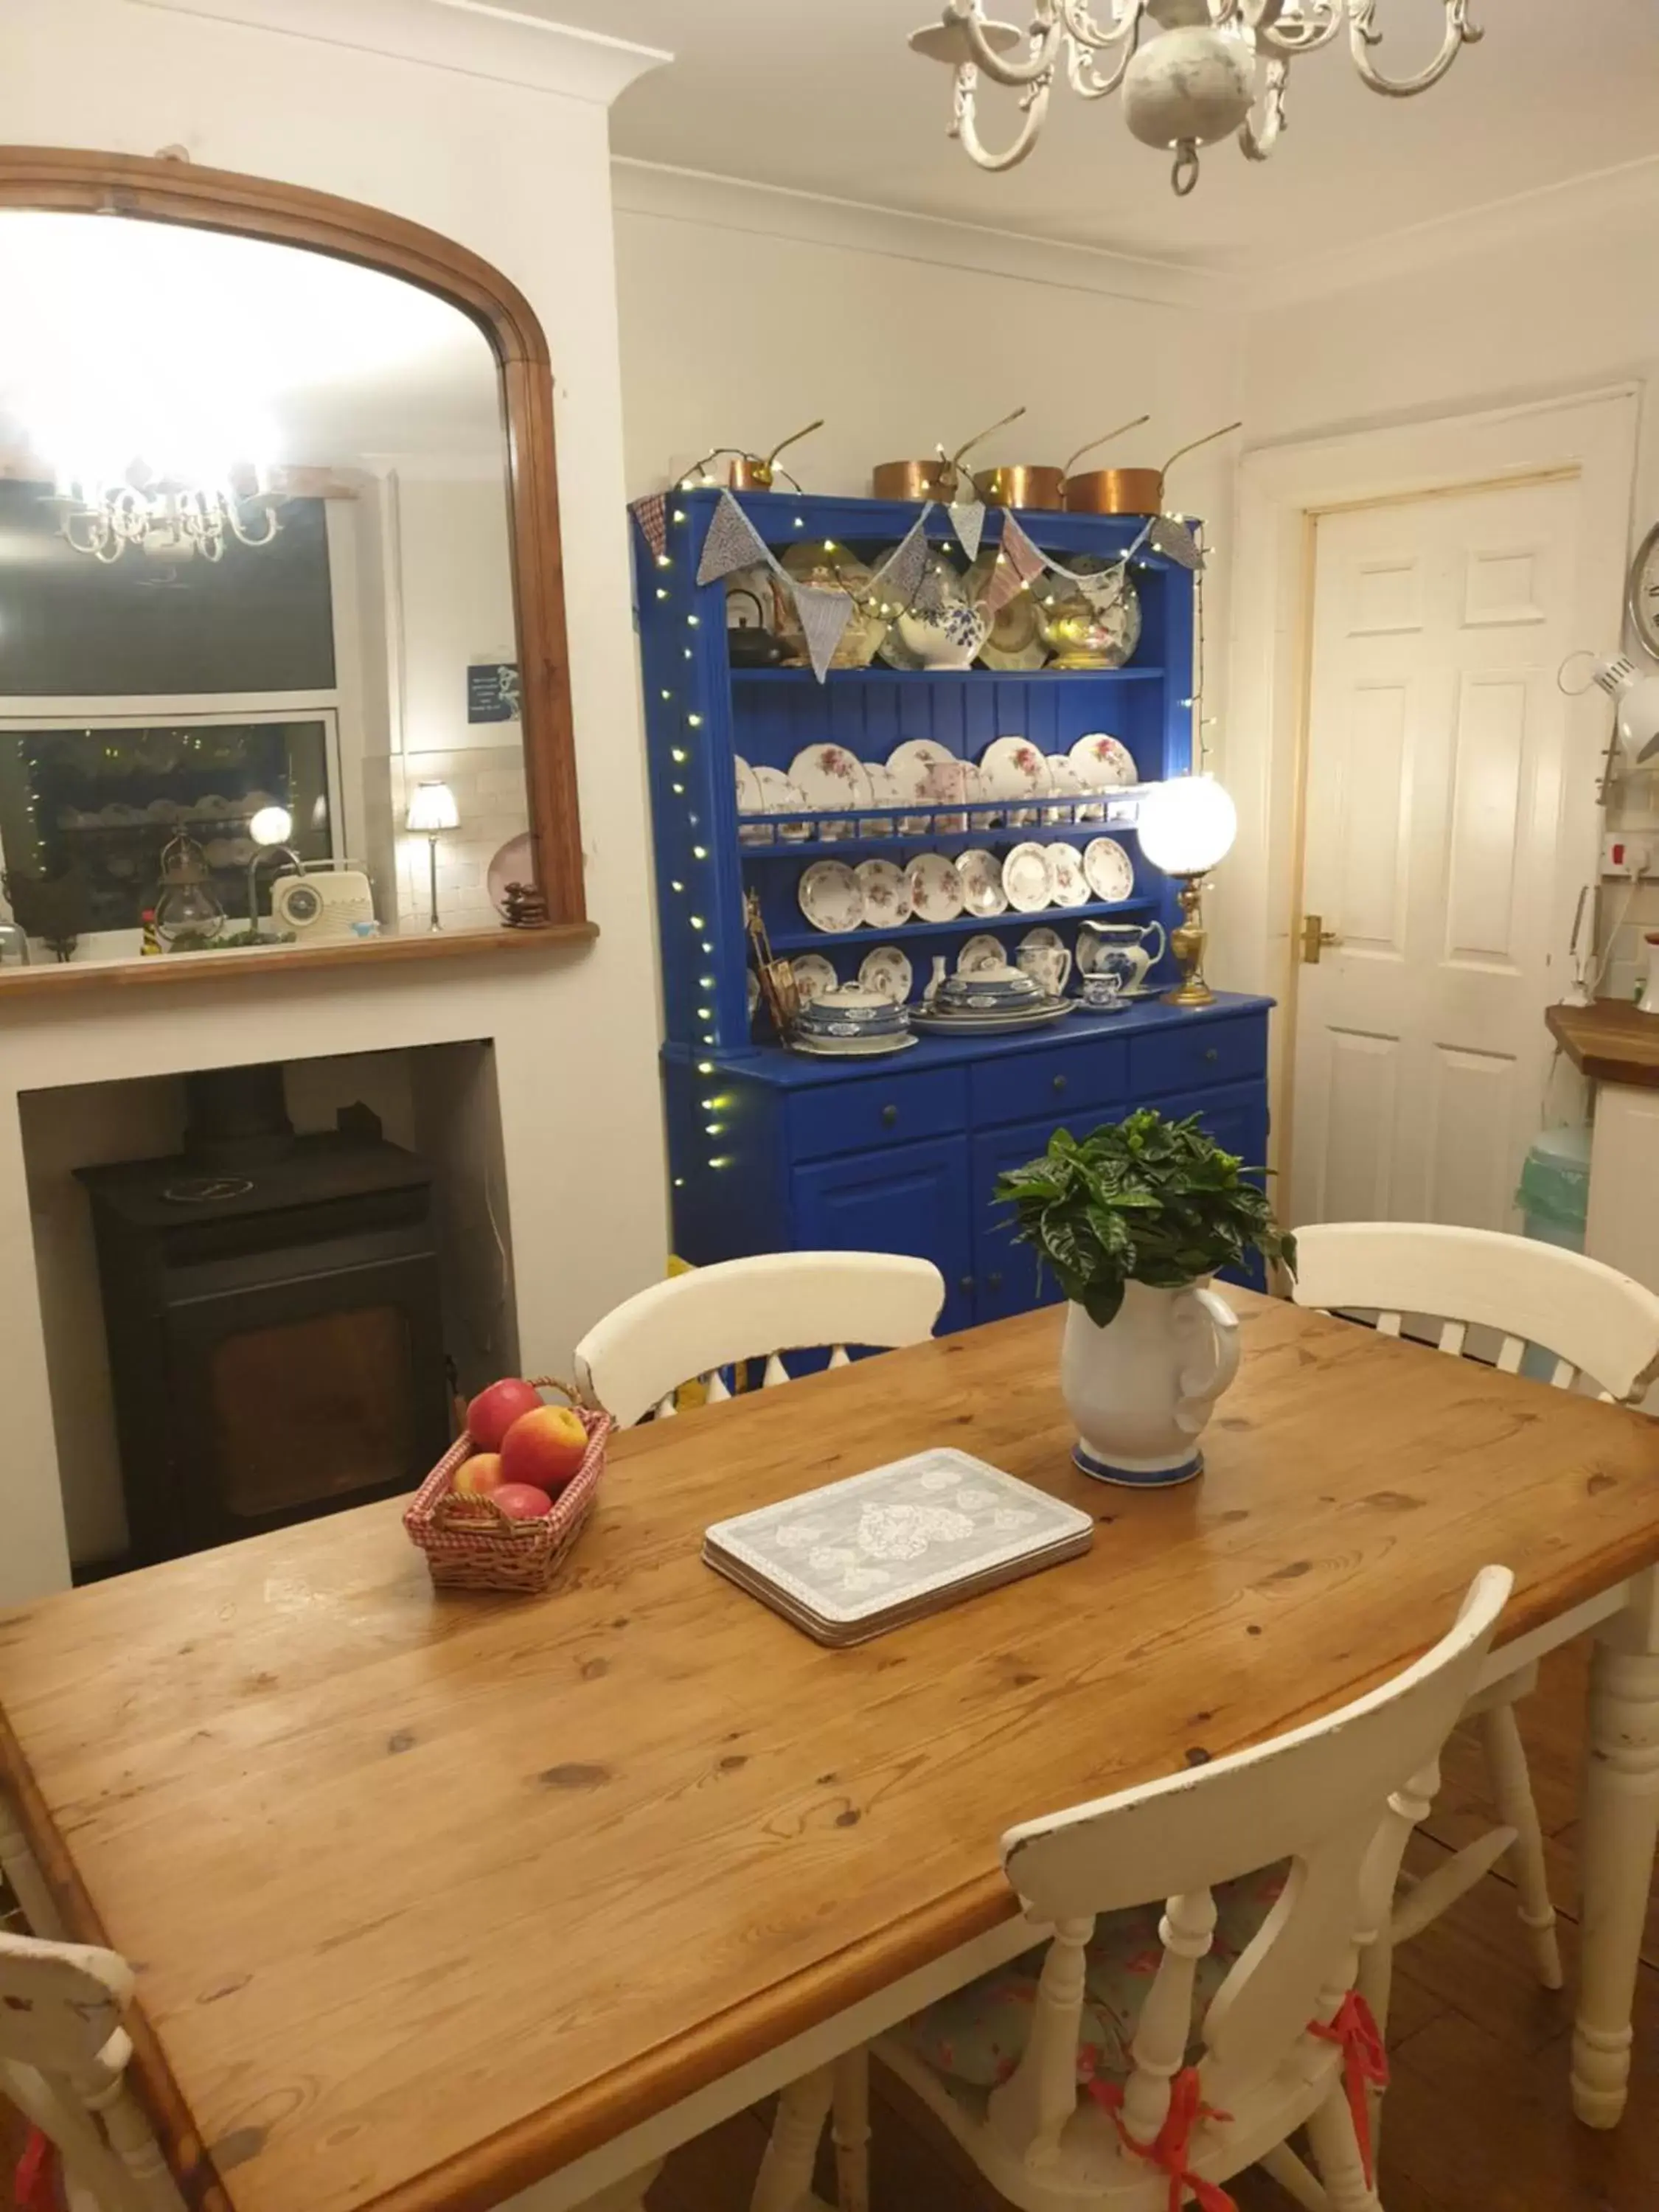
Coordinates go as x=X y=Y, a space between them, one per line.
x=490 y=125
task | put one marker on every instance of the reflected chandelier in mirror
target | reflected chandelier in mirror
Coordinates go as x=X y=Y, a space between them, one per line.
x=288 y=572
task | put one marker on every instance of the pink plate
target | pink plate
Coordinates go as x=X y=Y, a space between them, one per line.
x=514 y=863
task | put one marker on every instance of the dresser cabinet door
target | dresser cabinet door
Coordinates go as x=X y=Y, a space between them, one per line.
x=1007 y=1271
x=1236 y=1117
x=907 y=1199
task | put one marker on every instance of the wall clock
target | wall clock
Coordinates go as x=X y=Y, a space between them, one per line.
x=1642 y=594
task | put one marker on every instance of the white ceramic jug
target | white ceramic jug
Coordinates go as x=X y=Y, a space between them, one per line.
x=1141 y=1389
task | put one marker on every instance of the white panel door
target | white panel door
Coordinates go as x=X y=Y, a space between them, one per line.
x=1436 y=737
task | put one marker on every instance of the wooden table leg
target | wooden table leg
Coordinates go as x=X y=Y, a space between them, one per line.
x=1620 y=1827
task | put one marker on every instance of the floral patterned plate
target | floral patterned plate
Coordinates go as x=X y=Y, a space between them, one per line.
x=1107 y=869
x=1103 y=763
x=886 y=896
x=982 y=884
x=1013 y=768
x=828 y=775
x=936 y=893
x=783 y=798
x=981 y=952
x=1042 y=939
x=751 y=798
x=813 y=976
x=1066 y=783
x=887 y=970
x=830 y=897
x=1027 y=878
x=1071 y=886
x=883 y=791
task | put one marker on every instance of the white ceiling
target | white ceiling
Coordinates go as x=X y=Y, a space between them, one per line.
x=824 y=96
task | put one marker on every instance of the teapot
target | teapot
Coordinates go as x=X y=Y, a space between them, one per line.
x=749 y=645
x=1119 y=949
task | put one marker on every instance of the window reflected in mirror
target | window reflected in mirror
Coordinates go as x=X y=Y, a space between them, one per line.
x=255 y=589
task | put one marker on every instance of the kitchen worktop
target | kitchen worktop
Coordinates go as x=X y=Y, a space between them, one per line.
x=1611 y=1041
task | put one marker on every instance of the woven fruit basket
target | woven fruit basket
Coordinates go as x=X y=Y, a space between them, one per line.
x=470 y=1544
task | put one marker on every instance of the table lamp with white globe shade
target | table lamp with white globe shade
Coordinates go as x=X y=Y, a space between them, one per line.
x=1187 y=828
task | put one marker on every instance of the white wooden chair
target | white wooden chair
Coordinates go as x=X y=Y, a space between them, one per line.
x=1600 y=1328
x=64 y=2055
x=1282 y=2042
x=23 y=1875
x=695 y=1326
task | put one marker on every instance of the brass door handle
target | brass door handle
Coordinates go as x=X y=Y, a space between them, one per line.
x=1315 y=938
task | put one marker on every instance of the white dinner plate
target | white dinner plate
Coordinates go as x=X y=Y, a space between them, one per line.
x=1103 y=763
x=813 y=976
x=935 y=888
x=1042 y=939
x=828 y=776
x=1027 y=879
x=1013 y=768
x=1071 y=887
x=1107 y=869
x=783 y=798
x=982 y=884
x=750 y=798
x=830 y=897
x=981 y=952
x=876 y=1047
x=1064 y=782
x=885 y=893
x=886 y=969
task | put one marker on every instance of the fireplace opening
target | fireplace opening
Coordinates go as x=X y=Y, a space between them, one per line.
x=282 y=1333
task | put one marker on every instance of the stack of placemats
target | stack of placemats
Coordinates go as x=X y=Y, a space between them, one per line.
x=879 y=1550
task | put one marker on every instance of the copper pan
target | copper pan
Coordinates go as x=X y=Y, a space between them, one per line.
x=1129 y=491
x=1022 y=484
x=941 y=479
x=749 y=473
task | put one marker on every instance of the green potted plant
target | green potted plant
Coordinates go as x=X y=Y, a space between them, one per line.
x=1133 y=1219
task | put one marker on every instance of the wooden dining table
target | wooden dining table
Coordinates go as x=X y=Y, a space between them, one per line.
x=434 y=1896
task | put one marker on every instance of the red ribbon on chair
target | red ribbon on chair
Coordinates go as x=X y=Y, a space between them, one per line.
x=1364 y=2065
x=36 y=2188
x=1171 y=2146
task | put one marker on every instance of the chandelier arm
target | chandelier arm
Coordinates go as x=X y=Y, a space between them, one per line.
x=1085 y=78
x=1044 y=53
x=1303 y=34
x=965 y=123
x=1258 y=139
x=1362 y=37
x=233 y=508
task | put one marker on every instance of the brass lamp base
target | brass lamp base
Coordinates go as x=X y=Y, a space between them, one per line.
x=1187 y=944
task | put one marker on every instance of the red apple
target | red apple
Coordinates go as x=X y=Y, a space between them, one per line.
x=545 y=1448
x=494 y=1411
x=478 y=1474
x=521 y=1501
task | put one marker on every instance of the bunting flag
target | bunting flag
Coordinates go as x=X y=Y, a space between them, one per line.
x=967 y=520
x=1176 y=539
x=651 y=512
x=1005 y=583
x=823 y=615
x=732 y=543
x=1022 y=557
x=900 y=575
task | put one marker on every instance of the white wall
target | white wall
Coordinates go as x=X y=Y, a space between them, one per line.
x=746 y=313
x=461 y=141
x=1551 y=299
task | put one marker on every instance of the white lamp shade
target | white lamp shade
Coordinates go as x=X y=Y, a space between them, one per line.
x=271 y=825
x=1187 y=825
x=433 y=807
x=1638 y=718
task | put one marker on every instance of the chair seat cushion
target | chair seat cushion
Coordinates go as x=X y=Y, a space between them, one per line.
x=976 y=2037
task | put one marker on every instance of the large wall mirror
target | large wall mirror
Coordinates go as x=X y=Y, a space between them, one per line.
x=282 y=641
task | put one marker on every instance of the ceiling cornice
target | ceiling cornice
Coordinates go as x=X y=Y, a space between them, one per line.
x=473 y=38
x=1583 y=204
x=674 y=195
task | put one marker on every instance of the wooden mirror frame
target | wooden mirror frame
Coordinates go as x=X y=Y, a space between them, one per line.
x=68 y=181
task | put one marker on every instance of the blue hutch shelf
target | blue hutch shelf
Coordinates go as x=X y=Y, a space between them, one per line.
x=771 y=1150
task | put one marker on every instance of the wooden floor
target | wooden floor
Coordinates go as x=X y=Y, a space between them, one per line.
x=1478 y=2118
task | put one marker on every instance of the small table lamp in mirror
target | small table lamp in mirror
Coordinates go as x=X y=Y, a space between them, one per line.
x=1187 y=828
x=431 y=811
x=270 y=828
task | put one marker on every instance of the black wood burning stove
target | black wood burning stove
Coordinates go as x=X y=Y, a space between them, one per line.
x=273 y=1312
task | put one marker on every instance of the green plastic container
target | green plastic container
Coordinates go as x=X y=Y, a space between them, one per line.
x=1555 y=1191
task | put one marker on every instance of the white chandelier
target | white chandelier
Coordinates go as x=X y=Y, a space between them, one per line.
x=1192 y=79
x=164 y=518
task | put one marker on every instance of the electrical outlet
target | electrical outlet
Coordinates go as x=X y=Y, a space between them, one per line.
x=1625 y=855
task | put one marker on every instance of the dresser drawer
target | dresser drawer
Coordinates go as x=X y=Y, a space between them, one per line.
x=877 y=1109
x=1062 y=1079
x=1198 y=1051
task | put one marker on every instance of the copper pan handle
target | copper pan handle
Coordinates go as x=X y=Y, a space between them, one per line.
x=1105 y=439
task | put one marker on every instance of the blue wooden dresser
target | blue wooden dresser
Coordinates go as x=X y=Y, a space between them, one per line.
x=771 y=1150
